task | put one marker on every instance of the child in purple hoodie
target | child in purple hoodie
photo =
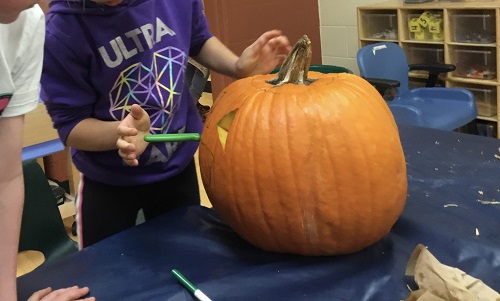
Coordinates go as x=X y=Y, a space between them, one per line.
x=106 y=58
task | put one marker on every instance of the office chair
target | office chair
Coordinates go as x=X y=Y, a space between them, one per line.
x=323 y=69
x=42 y=228
x=384 y=65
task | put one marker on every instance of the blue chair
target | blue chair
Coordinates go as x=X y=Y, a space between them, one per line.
x=385 y=65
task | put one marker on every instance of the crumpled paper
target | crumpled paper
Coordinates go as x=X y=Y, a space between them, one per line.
x=439 y=282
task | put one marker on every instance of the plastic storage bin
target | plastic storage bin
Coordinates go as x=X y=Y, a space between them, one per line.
x=474 y=28
x=486 y=101
x=381 y=26
x=425 y=55
x=414 y=82
x=477 y=64
x=487 y=129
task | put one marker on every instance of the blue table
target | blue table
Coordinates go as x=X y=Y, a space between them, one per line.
x=42 y=149
x=42 y=142
x=443 y=168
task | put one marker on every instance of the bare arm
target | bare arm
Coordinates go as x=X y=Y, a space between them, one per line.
x=11 y=207
x=11 y=202
x=265 y=54
x=217 y=57
x=94 y=135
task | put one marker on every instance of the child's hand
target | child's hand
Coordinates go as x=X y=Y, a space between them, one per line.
x=131 y=132
x=65 y=294
x=265 y=54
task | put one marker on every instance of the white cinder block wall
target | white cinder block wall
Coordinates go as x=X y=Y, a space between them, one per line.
x=339 y=31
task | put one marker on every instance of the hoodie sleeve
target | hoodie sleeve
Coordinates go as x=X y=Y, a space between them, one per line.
x=199 y=29
x=66 y=89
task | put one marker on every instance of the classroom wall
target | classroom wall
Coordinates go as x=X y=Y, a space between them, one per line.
x=339 y=32
x=238 y=23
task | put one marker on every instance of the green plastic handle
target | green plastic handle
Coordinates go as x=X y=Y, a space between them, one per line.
x=172 y=137
x=184 y=281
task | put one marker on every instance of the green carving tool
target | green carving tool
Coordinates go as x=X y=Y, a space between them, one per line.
x=172 y=137
x=190 y=286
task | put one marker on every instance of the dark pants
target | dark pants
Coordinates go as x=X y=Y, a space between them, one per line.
x=104 y=210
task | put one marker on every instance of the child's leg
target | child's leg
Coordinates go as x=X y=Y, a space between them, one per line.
x=103 y=210
x=180 y=190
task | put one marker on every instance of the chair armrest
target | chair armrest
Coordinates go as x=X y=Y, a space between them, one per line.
x=382 y=85
x=406 y=114
x=385 y=83
x=434 y=70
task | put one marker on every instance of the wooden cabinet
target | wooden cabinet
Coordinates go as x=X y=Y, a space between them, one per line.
x=465 y=33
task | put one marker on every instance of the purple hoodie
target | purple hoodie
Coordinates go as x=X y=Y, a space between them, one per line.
x=100 y=60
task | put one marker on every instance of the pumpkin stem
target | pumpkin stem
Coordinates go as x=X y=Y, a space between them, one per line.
x=296 y=66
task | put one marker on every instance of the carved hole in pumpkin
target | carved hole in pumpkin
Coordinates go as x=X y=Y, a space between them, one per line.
x=223 y=127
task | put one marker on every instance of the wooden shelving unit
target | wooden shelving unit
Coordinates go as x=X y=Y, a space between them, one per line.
x=464 y=33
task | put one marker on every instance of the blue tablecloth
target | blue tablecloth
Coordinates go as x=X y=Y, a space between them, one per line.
x=443 y=168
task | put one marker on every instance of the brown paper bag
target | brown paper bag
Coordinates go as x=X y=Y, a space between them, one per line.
x=438 y=282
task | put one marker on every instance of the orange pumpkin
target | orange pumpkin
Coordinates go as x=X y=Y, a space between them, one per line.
x=312 y=167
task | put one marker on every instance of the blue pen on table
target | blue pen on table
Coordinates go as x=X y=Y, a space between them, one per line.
x=190 y=286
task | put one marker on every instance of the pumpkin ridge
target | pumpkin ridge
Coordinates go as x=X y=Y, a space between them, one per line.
x=304 y=217
x=228 y=188
x=296 y=172
x=234 y=191
x=323 y=202
x=274 y=151
x=288 y=108
x=309 y=212
x=341 y=134
x=369 y=218
x=240 y=186
x=264 y=106
x=369 y=187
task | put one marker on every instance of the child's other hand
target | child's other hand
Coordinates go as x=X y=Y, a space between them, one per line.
x=131 y=132
x=265 y=54
x=65 y=294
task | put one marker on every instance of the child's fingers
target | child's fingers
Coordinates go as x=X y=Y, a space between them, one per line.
x=282 y=44
x=137 y=112
x=40 y=294
x=126 y=131
x=128 y=158
x=127 y=155
x=131 y=162
x=72 y=293
x=124 y=145
x=264 y=39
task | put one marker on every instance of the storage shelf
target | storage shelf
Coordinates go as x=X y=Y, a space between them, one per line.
x=377 y=40
x=422 y=75
x=486 y=82
x=422 y=42
x=492 y=118
x=473 y=44
x=465 y=34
